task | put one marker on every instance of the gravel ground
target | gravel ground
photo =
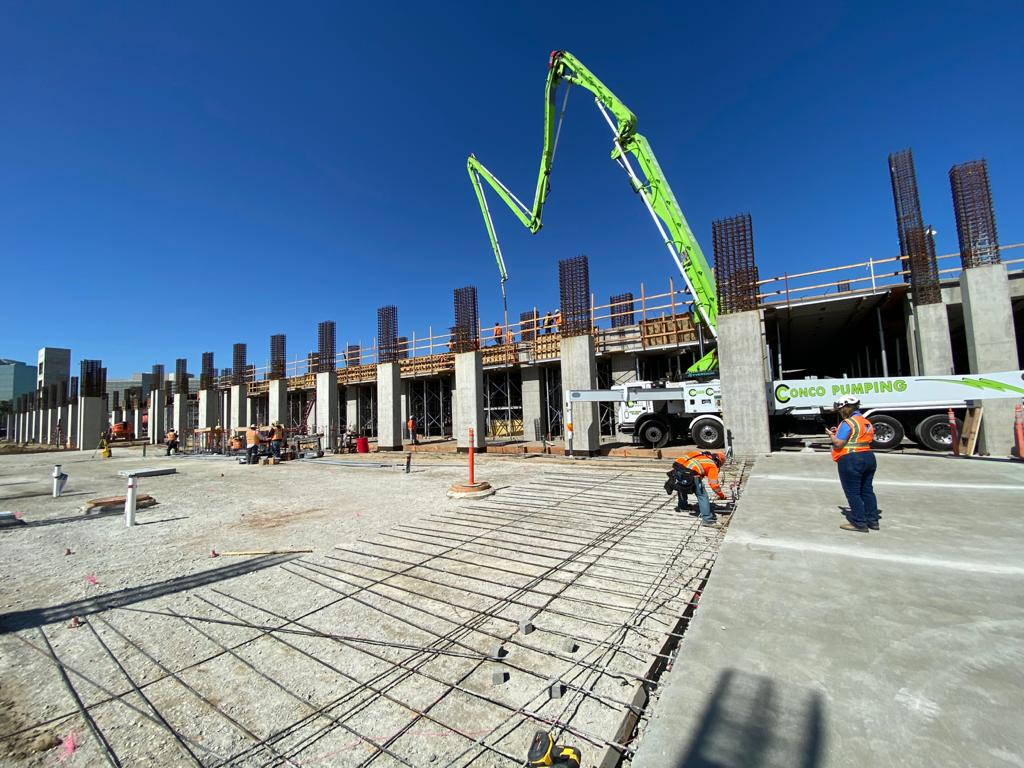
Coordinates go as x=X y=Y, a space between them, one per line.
x=373 y=648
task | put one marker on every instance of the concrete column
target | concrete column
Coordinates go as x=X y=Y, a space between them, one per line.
x=991 y=346
x=327 y=408
x=92 y=420
x=389 y=406
x=913 y=352
x=137 y=422
x=157 y=417
x=209 y=408
x=180 y=421
x=533 y=402
x=934 y=351
x=579 y=371
x=278 y=395
x=623 y=368
x=250 y=410
x=352 y=408
x=743 y=368
x=468 y=401
x=71 y=425
x=50 y=435
x=237 y=411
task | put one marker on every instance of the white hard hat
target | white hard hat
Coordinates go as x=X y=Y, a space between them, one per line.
x=844 y=401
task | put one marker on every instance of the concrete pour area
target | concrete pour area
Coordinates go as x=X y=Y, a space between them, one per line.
x=420 y=631
x=817 y=647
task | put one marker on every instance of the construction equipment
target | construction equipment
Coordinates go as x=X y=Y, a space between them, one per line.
x=544 y=752
x=122 y=431
x=650 y=183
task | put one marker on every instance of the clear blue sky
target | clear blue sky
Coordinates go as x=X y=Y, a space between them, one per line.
x=176 y=177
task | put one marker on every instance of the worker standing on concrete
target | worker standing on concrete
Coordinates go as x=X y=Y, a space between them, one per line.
x=252 y=444
x=689 y=473
x=499 y=336
x=549 y=323
x=851 y=450
x=411 y=426
x=171 y=439
x=276 y=439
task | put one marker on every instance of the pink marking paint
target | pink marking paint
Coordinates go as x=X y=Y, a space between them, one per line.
x=68 y=745
x=91 y=578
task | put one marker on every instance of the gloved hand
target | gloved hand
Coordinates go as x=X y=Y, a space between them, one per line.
x=721 y=496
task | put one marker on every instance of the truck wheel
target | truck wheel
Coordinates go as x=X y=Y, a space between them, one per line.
x=888 y=432
x=655 y=433
x=933 y=432
x=707 y=433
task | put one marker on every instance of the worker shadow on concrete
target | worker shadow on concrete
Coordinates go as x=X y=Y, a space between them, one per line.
x=752 y=721
x=36 y=617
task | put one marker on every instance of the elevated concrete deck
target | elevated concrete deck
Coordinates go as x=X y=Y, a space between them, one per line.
x=817 y=647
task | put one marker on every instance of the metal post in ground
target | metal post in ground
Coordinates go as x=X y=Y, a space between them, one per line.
x=129 y=502
x=472 y=489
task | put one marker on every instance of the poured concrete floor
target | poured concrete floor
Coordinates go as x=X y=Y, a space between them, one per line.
x=817 y=647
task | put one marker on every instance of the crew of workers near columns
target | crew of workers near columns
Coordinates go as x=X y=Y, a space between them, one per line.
x=851 y=450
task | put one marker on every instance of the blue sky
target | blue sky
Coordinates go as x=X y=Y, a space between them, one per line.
x=177 y=177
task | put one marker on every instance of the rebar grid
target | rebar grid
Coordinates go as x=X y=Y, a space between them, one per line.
x=73 y=389
x=600 y=550
x=975 y=217
x=353 y=354
x=466 y=331
x=735 y=269
x=207 y=373
x=528 y=322
x=92 y=378
x=278 y=356
x=326 y=346
x=181 y=376
x=574 y=291
x=914 y=237
x=387 y=334
x=238 y=360
x=622 y=310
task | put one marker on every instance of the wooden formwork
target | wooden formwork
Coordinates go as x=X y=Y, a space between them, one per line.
x=503 y=354
x=427 y=365
x=666 y=331
x=357 y=374
x=547 y=346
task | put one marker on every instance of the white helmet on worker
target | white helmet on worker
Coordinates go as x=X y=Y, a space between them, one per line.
x=844 y=401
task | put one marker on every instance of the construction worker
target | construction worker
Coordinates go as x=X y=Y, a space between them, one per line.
x=252 y=444
x=689 y=472
x=549 y=323
x=558 y=321
x=171 y=439
x=411 y=426
x=276 y=439
x=851 y=450
x=499 y=336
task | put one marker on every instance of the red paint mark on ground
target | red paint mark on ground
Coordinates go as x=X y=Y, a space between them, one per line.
x=91 y=578
x=18 y=515
x=68 y=745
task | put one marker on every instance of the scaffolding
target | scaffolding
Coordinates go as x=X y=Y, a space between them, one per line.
x=430 y=403
x=503 y=403
x=553 y=400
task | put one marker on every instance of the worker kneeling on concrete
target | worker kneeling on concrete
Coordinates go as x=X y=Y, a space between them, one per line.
x=687 y=476
x=252 y=444
x=171 y=439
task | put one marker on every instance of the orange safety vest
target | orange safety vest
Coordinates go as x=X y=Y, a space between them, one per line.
x=702 y=466
x=410 y=424
x=252 y=437
x=171 y=435
x=279 y=433
x=862 y=434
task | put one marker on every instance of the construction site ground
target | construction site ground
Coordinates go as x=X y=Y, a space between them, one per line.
x=419 y=631
x=818 y=647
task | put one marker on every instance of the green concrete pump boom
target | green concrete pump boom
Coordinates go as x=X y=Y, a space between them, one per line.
x=653 y=189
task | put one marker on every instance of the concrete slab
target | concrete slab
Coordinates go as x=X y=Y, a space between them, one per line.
x=817 y=647
x=147 y=472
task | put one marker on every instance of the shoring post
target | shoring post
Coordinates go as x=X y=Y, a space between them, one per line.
x=953 y=432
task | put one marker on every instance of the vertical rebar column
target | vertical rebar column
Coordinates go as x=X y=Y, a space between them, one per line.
x=326 y=347
x=277 y=356
x=387 y=334
x=238 y=364
x=403 y=347
x=91 y=379
x=466 y=331
x=528 y=325
x=975 y=218
x=353 y=354
x=73 y=389
x=735 y=270
x=159 y=377
x=915 y=239
x=207 y=371
x=574 y=290
x=115 y=402
x=622 y=310
x=181 y=376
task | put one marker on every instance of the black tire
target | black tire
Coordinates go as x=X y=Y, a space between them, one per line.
x=654 y=433
x=888 y=432
x=707 y=433
x=933 y=432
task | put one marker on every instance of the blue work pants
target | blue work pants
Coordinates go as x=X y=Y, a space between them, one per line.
x=856 y=474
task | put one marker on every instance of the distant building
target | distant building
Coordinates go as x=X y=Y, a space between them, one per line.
x=54 y=366
x=16 y=379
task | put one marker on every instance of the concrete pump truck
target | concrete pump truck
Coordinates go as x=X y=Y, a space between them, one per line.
x=656 y=413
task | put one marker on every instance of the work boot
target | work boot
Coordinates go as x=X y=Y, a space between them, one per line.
x=873 y=526
x=851 y=527
x=709 y=523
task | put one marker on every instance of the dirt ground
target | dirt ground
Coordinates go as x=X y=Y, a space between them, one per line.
x=418 y=631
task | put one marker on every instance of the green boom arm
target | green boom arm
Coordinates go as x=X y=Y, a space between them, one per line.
x=653 y=188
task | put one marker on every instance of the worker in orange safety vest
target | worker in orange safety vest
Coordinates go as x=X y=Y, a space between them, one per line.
x=276 y=439
x=851 y=450
x=688 y=474
x=252 y=444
